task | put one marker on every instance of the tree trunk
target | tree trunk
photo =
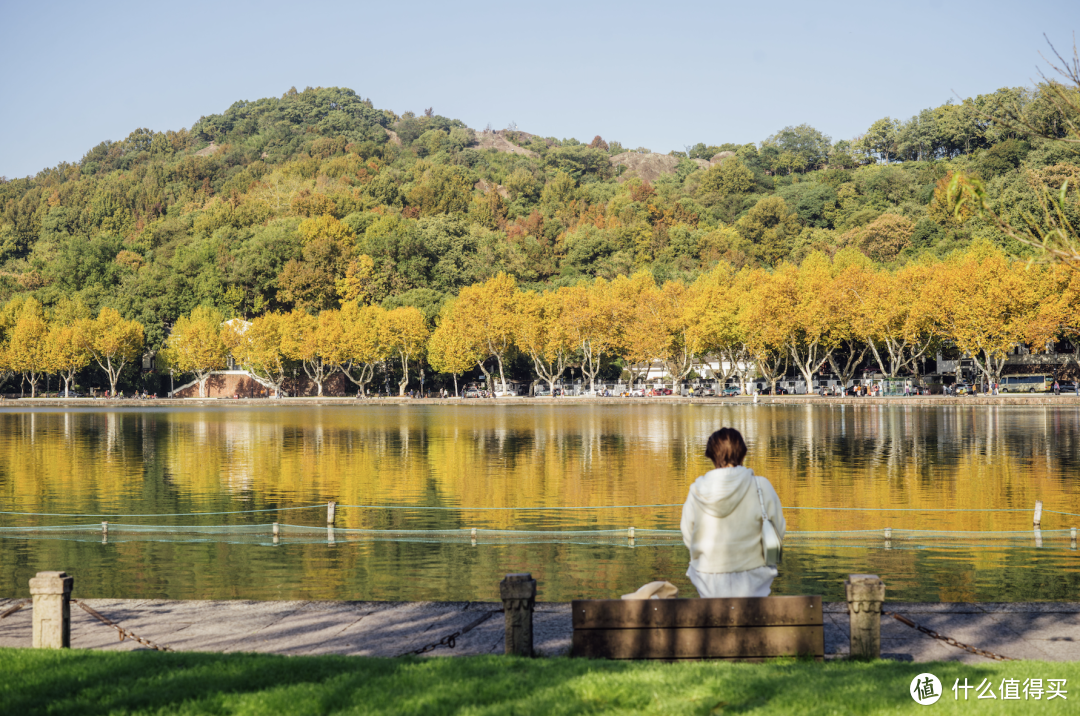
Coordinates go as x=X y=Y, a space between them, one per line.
x=404 y=382
x=484 y=370
x=367 y=373
x=502 y=376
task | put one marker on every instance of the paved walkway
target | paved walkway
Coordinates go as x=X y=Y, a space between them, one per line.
x=1038 y=630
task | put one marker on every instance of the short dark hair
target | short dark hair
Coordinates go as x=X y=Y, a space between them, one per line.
x=726 y=448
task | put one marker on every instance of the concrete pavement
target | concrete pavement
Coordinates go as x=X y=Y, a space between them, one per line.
x=1047 y=631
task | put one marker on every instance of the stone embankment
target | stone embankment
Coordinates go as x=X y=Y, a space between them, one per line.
x=1047 y=631
x=1041 y=400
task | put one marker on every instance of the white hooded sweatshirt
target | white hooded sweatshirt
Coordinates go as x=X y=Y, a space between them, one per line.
x=721 y=520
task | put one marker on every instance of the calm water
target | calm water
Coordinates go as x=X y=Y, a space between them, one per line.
x=181 y=461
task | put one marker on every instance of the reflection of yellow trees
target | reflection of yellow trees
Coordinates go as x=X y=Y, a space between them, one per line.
x=551 y=456
x=68 y=462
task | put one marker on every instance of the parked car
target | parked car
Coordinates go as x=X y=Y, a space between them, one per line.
x=471 y=393
x=1067 y=386
x=730 y=392
x=961 y=389
x=542 y=393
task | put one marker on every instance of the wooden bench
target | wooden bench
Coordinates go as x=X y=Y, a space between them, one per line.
x=750 y=629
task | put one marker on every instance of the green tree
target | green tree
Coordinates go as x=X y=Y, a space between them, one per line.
x=808 y=146
x=730 y=176
x=772 y=227
x=881 y=139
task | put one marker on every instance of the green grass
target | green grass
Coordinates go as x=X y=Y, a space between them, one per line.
x=88 y=683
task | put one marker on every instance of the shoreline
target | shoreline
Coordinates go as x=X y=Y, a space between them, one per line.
x=1043 y=399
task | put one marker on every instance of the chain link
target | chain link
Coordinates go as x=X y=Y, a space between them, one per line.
x=14 y=608
x=948 y=640
x=450 y=640
x=124 y=633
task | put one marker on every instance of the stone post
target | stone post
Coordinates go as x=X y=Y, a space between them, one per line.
x=865 y=595
x=52 y=610
x=518 y=596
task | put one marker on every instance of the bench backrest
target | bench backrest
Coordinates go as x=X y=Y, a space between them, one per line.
x=750 y=628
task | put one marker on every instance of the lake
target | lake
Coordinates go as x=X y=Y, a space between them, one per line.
x=940 y=478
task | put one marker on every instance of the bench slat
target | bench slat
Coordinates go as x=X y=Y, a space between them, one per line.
x=676 y=613
x=700 y=643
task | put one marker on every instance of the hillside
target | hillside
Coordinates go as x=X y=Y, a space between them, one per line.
x=160 y=222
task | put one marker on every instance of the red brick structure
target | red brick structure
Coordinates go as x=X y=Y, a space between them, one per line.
x=240 y=383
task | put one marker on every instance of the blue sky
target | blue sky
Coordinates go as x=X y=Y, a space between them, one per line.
x=659 y=75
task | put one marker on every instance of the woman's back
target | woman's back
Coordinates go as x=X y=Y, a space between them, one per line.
x=721 y=523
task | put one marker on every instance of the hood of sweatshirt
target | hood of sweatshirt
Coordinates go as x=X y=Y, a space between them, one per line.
x=720 y=491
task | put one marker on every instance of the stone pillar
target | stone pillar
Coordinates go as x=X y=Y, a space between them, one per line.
x=52 y=610
x=518 y=596
x=865 y=595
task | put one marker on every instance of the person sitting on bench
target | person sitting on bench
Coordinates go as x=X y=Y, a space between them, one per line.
x=722 y=524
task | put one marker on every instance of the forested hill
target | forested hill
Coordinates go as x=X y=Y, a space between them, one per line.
x=302 y=200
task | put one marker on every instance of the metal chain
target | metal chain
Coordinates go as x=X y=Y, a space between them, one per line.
x=12 y=609
x=124 y=633
x=948 y=640
x=450 y=640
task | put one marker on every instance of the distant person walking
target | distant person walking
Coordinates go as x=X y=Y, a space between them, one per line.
x=722 y=523
x=1057 y=388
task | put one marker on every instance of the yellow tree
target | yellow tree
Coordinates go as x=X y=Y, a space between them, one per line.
x=486 y=311
x=358 y=284
x=361 y=347
x=904 y=318
x=762 y=322
x=986 y=304
x=643 y=336
x=68 y=351
x=113 y=342
x=197 y=345
x=541 y=335
x=714 y=327
x=1058 y=315
x=316 y=342
x=592 y=323
x=450 y=350
x=681 y=350
x=404 y=332
x=27 y=347
x=853 y=280
x=257 y=346
x=808 y=313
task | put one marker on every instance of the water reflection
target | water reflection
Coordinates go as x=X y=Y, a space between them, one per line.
x=197 y=460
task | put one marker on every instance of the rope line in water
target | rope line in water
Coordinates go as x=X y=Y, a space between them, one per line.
x=521 y=509
x=1055 y=512
x=640 y=532
x=155 y=514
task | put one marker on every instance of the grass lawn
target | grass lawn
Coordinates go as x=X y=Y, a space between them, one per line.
x=146 y=682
